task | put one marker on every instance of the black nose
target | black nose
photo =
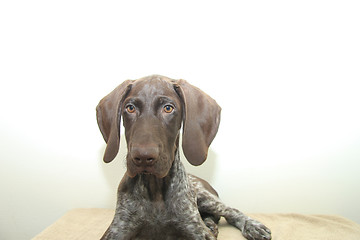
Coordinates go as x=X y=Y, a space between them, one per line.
x=144 y=155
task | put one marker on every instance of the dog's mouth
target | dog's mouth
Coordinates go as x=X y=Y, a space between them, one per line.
x=134 y=170
x=159 y=168
x=146 y=172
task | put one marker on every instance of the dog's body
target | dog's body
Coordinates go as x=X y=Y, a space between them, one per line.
x=157 y=199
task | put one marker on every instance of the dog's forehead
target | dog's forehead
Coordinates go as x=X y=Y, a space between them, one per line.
x=153 y=86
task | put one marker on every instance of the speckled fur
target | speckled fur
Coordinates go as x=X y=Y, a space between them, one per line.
x=167 y=211
x=176 y=206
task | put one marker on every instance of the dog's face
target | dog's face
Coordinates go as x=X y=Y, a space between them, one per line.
x=152 y=115
x=153 y=109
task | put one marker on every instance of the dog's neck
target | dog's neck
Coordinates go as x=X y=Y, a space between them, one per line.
x=158 y=189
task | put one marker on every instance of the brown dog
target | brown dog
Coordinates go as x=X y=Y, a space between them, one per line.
x=157 y=199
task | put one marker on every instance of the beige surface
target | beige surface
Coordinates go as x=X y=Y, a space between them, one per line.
x=91 y=223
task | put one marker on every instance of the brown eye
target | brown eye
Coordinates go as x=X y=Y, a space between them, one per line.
x=130 y=108
x=168 y=108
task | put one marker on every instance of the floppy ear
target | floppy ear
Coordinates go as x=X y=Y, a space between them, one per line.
x=200 y=121
x=108 y=115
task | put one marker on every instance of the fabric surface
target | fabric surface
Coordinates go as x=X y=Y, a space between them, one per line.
x=91 y=224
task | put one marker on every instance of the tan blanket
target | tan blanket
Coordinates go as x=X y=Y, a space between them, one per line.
x=91 y=224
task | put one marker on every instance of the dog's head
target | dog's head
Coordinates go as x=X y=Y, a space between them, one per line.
x=153 y=109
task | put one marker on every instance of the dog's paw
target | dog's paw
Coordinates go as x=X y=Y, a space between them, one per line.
x=210 y=236
x=212 y=226
x=254 y=230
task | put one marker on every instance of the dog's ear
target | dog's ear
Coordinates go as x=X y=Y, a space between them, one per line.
x=108 y=113
x=200 y=121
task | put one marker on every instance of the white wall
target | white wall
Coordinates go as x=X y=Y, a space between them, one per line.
x=286 y=75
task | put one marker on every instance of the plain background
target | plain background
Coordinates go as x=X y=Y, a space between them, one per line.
x=286 y=73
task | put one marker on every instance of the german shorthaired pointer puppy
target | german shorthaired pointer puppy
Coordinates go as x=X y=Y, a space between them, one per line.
x=157 y=199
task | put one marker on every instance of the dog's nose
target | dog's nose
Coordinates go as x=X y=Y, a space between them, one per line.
x=144 y=155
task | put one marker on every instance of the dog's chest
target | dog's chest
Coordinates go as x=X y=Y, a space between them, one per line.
x=156 y=221
x=159 y=215
x=158 y=208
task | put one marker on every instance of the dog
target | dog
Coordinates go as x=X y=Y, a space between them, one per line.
x=157 y=199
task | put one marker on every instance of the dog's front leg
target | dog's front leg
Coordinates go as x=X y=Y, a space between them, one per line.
x=197 y=230
x=188 y=219
x=116 y=232
x=121 y=228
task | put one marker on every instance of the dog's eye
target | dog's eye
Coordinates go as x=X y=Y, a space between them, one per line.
x=168 y=108
x=130 y=108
